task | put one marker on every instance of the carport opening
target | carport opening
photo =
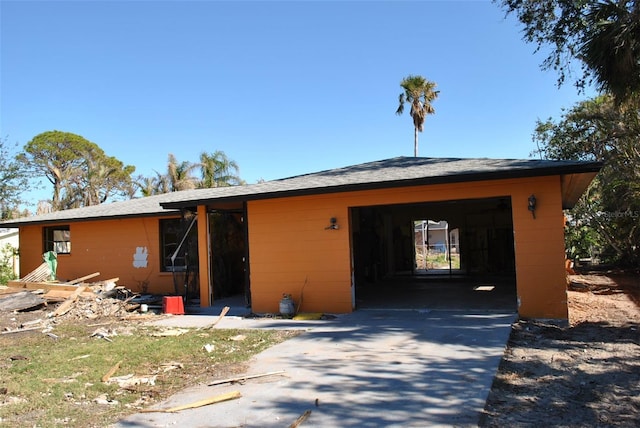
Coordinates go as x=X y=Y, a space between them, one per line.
x=449 y=254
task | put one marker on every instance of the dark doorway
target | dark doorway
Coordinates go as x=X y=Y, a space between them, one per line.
x=228 y=253
x=384 y=245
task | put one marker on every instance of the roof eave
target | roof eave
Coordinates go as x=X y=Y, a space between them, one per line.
x=573 y=186
x=26 y=222
x=590 y=169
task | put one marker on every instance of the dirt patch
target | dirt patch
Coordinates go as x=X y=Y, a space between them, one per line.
x=586 y=374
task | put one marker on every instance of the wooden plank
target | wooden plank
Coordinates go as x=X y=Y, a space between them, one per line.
x=67 y=304
x=57 y=294
x=241 y=378
x=223 y=312
x=10 y=290
x=20 y=330
x=207 y=401
x=60 y=295
x=105 y=281
x=301 y=419
x=111 y=371
x=81 y=279
x=20 y=301
x=42 y=285
x=16 y=284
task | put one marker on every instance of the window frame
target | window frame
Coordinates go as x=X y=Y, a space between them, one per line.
x=168 y=246
x=60 y=244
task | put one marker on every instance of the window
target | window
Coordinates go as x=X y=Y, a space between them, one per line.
x=57 y=239
x=171 y=234
x=169 y=239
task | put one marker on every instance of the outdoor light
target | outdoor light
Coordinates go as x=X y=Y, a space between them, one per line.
x=333 y=225
x=532 y=205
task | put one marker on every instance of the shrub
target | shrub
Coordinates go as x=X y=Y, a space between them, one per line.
x=7 y=254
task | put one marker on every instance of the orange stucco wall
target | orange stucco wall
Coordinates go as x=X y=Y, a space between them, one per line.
x=107 y=247
x=292 y=252
x=204 y=258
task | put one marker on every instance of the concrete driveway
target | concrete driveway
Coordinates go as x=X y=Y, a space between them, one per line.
x=371 y=368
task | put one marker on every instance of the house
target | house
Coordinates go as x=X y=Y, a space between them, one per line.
x=434 y=237
x=10 y=237
x=326 y=237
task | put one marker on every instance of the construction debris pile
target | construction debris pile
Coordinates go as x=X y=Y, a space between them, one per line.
x=75 y=299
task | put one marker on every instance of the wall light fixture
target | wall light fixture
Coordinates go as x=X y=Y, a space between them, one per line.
x=333 y=225
x=532 y=205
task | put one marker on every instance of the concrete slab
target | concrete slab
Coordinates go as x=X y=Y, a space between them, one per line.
x=371 y=368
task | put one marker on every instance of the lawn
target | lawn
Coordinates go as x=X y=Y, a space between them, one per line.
x=90 y=374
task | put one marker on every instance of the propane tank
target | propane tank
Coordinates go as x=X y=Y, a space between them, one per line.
x=287 y=308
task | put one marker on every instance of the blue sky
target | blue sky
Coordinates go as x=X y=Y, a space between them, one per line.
x=283 y=88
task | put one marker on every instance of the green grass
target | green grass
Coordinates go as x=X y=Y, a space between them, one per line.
x=57 y=383
x=436 y=260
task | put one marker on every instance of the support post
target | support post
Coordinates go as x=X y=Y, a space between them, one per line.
x=203 y=257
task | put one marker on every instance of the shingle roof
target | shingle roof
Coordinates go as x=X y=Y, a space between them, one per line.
x=135 y=207
x=400 y=171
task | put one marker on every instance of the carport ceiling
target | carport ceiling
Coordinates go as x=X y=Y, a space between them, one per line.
x=453 y=211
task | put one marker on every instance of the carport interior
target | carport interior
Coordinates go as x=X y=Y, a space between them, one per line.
x=473 y=239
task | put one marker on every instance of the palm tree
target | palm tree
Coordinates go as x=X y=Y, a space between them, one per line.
x=419 y=92
x=611 y=47
x=218 y=170
x=179 y=174
x=150 y=186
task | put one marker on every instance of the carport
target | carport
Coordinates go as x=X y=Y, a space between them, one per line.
x=387 y=241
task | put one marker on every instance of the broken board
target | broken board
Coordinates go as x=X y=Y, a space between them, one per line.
x=41 y=273
x=10 y=290
x=67 y=304
x=41 y=285
x=54 y=295
x=20 y=301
